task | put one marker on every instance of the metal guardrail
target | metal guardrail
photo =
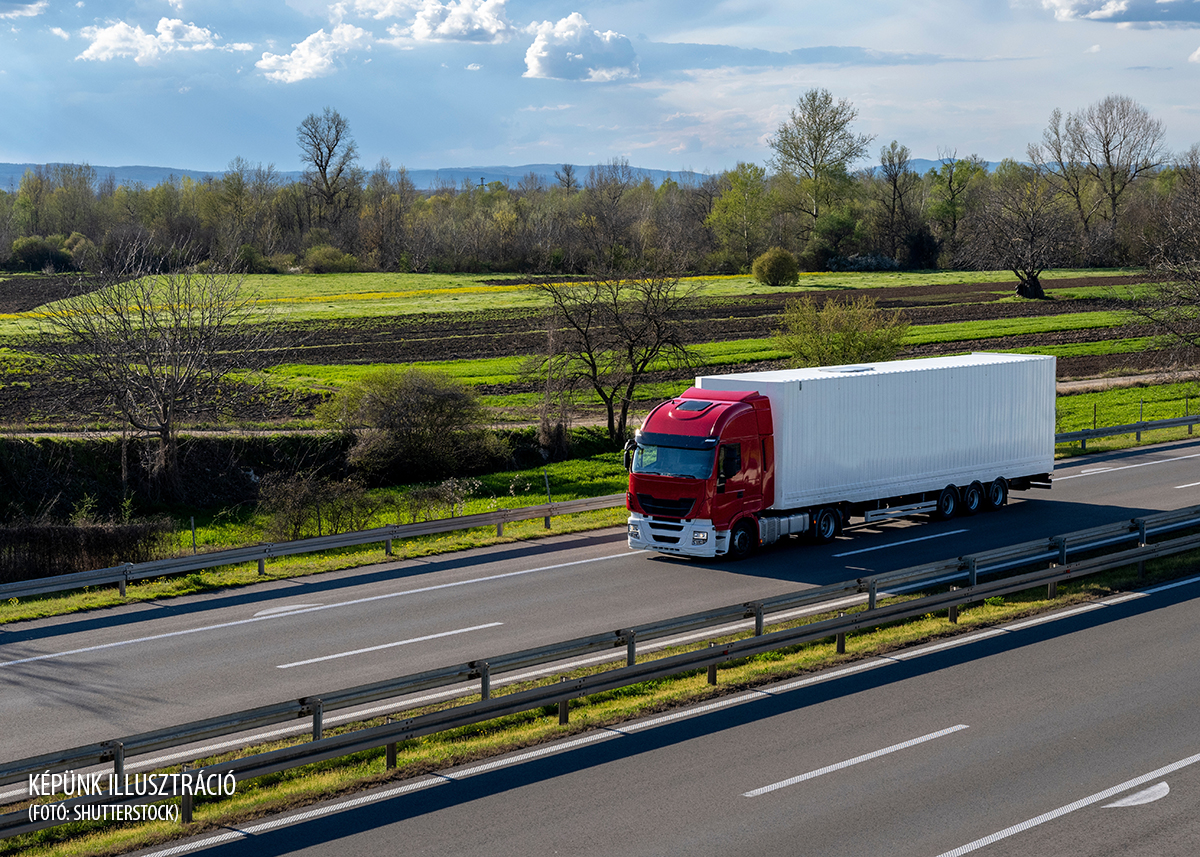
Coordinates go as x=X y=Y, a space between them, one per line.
x=1056 y=551
x=123 y=574
x=1084 y=435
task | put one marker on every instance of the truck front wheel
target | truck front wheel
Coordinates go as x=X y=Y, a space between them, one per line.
x=743 y=539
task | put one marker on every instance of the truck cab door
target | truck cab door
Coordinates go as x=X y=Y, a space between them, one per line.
x=737 y=482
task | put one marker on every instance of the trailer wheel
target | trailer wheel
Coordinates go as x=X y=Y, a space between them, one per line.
x=743 y=539
x=972 y=498
x=826 y=524
x=947 y=503
x=996 y=494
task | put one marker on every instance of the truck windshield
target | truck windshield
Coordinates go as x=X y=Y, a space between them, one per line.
x=672 y=461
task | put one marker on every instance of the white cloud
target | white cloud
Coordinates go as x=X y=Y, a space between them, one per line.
x=122 y=40
x=1140 y=14
x=314 y=56
x=1094 y=49
x=9 y=9
x=1195 y=57
x=61 y=33
x=572 y=50
x=378 y=9
x=474 y=67
x=481 y=21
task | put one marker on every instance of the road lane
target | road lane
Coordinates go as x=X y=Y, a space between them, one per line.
x=1064 y=718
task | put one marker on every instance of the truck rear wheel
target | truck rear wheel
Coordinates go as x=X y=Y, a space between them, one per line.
x=743 y=539
x=972 y=498
x=947 y=503
x=826 y=524
x=996 y=494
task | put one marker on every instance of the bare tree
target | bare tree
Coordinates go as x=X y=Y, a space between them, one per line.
x=1020 y=225
x=1096 y=154
x=330 y=155
x=896 y=188
x=1172 y=302
x=816 y=146
x=611 y=331
x=159 y=348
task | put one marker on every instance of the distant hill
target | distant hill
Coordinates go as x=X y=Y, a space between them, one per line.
x=10 y=174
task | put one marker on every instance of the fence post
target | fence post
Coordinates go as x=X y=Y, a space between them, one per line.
x=1141 y=412
x=564 y=709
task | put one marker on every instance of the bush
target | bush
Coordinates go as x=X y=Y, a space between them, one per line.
x=776 y=267
x=327 y=259
x=303 y=505
x=33 y=550
x=35 y=253
x=837 y=333
x=412 y=425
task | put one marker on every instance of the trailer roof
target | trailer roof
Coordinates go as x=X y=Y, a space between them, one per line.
x=813 y=373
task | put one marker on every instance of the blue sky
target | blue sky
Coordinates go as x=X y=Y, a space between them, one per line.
x=669 y=84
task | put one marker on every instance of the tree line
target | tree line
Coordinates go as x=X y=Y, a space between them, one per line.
x=1097 y=189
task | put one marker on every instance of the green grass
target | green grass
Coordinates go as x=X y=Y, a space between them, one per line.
x=1126 y=405
x=315 y=297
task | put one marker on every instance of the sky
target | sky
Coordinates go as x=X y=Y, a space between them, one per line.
x=668 y=84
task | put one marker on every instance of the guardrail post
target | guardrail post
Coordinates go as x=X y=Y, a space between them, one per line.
x=118 y=749
x=630 y=647
x=841 y=637
x=564 y=708
x=387 y=548
x=185 y=804
x=124 y=578
x=499 y=529
x=1060 y=542
x=712 y=668
x=953 y=611
x=262 y=566
x=546 y=520
x=972 y=570
x=485 y=681
x=1141 y=525
x=872 y=591
x=758 y=619
x=318 y=708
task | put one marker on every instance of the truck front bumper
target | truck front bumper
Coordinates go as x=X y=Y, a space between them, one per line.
x=683 y=538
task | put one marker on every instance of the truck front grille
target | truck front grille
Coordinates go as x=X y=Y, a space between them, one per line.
x=680 y=508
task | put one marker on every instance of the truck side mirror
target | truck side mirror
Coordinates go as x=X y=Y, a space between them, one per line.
x=630 y=446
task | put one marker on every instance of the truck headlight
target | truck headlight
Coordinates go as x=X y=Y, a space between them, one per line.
x=635 y=531
x=699 y=538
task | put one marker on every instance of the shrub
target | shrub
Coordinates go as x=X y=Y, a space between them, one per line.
x=32 y=550
x=35 y=253
x=414 y=424
x=837 y=333
x=327 y=259
x=776 y=267
x=303 y=505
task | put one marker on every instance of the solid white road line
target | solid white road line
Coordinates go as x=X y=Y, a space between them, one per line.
x=1071 y=807
x=387 y=646
x=298 y=611
x=1189 y=485
x=1098 y=471
x=897 y=544
x=857 y=760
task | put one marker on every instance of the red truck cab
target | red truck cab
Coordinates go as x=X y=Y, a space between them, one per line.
x=701 y=469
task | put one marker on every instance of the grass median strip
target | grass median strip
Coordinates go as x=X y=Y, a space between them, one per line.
x=417 y=757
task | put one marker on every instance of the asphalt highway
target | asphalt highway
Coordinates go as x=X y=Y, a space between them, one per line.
x=1075 y=735
x=72 y=680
